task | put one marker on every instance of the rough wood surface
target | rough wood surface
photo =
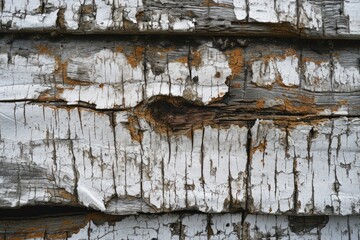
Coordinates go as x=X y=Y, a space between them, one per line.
x=182 y=129
x=301 y=18
x=181 y=226
x=271 y=75
x=127 y=126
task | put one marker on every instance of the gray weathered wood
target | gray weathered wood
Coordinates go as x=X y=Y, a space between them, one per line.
x=181 y=226
x=302 y=18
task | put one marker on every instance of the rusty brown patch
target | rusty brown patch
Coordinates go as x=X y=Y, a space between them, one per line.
x=236 y=61
x=63 y=194
x=270 y=57
x=136 y=57
x=316 y=61
x=133 y=127
x=119 y=49
x=62 y=70
x=45 y=96
x=195 y=58
x=261 y=147
x=235 y=85
x=183 y=59
x=43 y=49
x=260 y=104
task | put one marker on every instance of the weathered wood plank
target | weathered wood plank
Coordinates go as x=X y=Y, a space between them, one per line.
x=181 y=226
x=304 y=18
x=107 y=159
x=278 y=76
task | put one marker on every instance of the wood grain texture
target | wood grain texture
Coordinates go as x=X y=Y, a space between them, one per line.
x=181 y=226
x=128 y=126
x=303 y=18
x=96 y=158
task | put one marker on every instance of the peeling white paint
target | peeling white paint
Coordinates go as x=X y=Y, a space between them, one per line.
x=345 y=79
x=317 y=76
x=351 y=9
x=240 y=9
x=262 y=11
x=183 y=25
x=267 y=72
x=310 y=15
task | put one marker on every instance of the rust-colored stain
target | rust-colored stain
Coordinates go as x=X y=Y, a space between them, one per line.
x=134 y=57
x=43 y=49
x=260 y=104
x=45 y=96
x=236 y=60
x=62 y=193
x=195 y=59
x=183 y=60
x=62 y=70
x=289 y=106
x=133 y=127
x=316 y=61
x=235 y=85
x=261 y=147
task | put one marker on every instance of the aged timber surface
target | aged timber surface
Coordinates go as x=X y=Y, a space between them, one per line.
x=152 y=125
x=297 y=18
x=77 y=224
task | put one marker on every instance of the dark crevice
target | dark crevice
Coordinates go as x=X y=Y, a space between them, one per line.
x=248 y=199
x=41 y=211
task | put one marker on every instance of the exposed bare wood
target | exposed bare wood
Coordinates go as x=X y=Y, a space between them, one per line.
x=180 y=226
x=216 y=119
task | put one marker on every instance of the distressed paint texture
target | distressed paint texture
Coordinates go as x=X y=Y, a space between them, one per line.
x=172 y=135
x=167 y=125
x=307 y=18
x=98 y=157
x=116 y=74
x=182 y=226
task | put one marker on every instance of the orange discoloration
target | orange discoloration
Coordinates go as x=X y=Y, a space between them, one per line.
x=136 y=57
x=316 y=61
x=260 y=104
x=195 y=60
x=45 y=96
x=183 y=59
x=289 y=106
x=43 y=49
x=62 y=193
x=119 y=49
x=236 y=60
x=270 y=57
x=133 y=126
x=235 y=85
x=62 y=70
x=261 y=147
